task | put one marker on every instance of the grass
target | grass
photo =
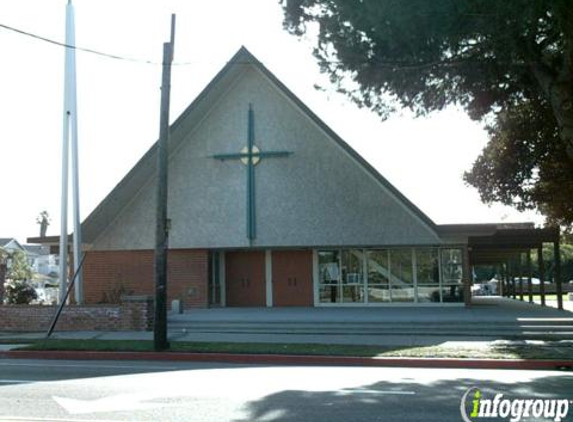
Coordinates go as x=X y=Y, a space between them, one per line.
x=550 y=350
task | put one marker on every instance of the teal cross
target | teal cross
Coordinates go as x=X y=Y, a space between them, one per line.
x=251 y=155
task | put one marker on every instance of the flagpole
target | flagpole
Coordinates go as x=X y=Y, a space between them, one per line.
x=77 y=248
x=70 y=124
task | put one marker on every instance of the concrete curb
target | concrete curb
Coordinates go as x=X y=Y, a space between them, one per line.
x=293 y=359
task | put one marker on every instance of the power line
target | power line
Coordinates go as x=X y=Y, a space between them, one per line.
x=87 y=50
x=379 y=64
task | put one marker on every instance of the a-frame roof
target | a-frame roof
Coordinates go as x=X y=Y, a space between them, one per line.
x=117 y=199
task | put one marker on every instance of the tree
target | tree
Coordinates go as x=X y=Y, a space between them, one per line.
x=15 y=268
x=507 y=63
x=525 y=165
x=19 y=292
x=19 y=269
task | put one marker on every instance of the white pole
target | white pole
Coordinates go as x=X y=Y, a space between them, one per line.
x=64 y=206
x=68 y=118
x=71 y=68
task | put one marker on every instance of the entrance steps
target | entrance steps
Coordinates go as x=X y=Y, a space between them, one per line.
x=555 y=329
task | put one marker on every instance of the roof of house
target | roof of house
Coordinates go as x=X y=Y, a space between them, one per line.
x=37 y=249
x=4 y=241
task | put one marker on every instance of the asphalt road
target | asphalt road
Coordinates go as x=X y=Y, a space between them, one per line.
x=42 y=390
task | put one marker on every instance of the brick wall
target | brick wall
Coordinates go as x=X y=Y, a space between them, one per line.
x=109 y=274
x=134 y=314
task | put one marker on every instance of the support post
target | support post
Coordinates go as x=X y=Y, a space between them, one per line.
x=541 y=273
x=500 y=286
x=466 y=277
x=161 y=233
x=2 y=281
x=557 y=273
x=520 y=276
x=529 y=276
x=512 y=273
x=506 y=290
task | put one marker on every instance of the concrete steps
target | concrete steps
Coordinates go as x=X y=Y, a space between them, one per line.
x=554 y=329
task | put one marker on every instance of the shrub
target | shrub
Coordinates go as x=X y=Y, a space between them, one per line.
x=19 y=292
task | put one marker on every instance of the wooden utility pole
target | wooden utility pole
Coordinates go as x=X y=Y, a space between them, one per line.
x=161 y=234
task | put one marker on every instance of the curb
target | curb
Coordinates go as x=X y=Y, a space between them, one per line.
x=293 y=359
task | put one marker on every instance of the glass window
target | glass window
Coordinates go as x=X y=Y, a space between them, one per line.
x=403 y=293
x=453 y=293
x=401 y=267
x=428 y=266
x=428 y=293
x=377 y=266
x=451 y=266
x=401 y=276
x=352 y=275
x=378 y=270
x=452 y=270
x=352 y=266
x=328 y=267
x=378 y=293
x=353 y=294
x=328 y=276
x=328 y=294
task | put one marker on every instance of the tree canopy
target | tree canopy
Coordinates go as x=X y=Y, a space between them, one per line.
x=507 y=63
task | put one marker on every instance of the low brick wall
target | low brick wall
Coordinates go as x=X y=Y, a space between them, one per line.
x=134 y=314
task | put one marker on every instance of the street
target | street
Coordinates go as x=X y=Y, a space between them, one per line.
x=50 y=390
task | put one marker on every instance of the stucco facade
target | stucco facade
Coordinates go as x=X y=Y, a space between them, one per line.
x=317 y=196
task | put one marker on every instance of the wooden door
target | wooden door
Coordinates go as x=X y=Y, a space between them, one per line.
x=292 y=278
x=245 y=278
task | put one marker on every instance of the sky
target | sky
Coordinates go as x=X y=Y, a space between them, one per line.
x=118 y=104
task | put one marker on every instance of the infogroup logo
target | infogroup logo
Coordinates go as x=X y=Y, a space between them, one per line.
x=474 y=406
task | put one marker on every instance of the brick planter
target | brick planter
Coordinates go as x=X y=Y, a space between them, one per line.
x=135 y=313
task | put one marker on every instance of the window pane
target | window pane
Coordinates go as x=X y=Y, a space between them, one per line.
x=328 y=267
x=328 y=294
x=402 y=293
x=428 y=266
x=451 y=266
x=428 y=293
x=378 y=293
x=377 y=266
x=401 y=267
x=353 y=294
x=453 y=293
x=352 y=266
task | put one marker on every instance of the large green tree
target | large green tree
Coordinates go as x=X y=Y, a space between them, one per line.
x=508 y=63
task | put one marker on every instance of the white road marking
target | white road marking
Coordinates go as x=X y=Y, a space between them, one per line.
x=115 y=403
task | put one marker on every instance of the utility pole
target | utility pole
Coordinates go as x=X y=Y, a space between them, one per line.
x=161 y=233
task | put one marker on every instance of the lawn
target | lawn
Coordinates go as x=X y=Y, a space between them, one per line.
x=502 y=350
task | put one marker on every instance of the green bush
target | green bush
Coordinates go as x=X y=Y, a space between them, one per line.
x=19 y=292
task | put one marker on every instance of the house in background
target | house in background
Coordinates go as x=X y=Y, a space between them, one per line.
x=10 y=245
x=41 y=260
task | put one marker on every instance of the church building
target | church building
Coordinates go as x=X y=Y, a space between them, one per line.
x=268 y=207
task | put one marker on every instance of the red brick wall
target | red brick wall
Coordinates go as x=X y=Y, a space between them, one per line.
x=132 y=315
x=108 y=274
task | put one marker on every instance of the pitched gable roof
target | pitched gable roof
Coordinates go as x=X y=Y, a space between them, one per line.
x=4 y=242
x=133 y=182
